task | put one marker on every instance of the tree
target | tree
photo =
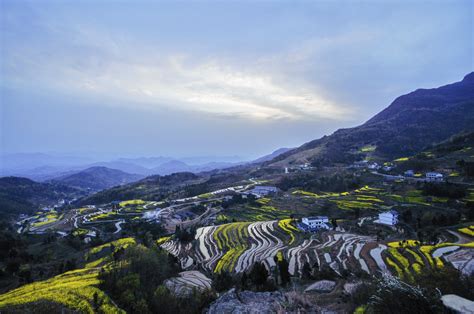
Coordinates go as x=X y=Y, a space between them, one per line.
x=284 y=273
x=222 y=281
x=306 y=271
x=357 y=213
x=334 y=223
x=244 y=281
x=258 y=275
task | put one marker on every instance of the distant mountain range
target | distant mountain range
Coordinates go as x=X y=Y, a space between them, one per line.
x=43 y=167
x=411 y=123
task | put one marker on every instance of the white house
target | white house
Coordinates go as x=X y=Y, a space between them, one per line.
x=374 y=166
x=434 y=176
x=387 y=168
x=409 y=173
x=316 y=222
x=305 y=166
x=388 y=218
x=261 y=190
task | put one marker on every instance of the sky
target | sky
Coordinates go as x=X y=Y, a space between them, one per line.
x=219 y=78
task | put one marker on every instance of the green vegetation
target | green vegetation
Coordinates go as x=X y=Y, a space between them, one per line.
x=131 y=202
x=232 y=238
x=368 y=149
x=467 y=230
x=135 y=280
x=76 y=290
x=287 y=226
x=402 y=159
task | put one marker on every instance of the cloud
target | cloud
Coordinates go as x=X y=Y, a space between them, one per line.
x=87 y=62
x=209 y=87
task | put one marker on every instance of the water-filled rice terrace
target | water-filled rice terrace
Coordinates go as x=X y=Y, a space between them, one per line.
x=235 y=247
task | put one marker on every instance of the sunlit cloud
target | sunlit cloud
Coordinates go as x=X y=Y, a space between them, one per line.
x=209 y=88
x=96 y=65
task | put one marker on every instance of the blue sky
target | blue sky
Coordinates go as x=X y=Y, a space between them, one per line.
x=215 y=77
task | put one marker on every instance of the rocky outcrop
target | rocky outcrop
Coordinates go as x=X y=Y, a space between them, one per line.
x=248 y=302
x=321 y=286
x=351 y=287
x=457 y=304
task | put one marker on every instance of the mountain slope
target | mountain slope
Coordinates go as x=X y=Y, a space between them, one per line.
x=275 y=154
x=408 y=125
x=152 y=187
x=22 y=195
x=97 y=178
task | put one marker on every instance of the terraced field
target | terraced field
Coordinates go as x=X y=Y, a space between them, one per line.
x=76 y=290
x=235 y=247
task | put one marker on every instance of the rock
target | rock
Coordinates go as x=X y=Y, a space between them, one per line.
x=247 y=302
x=351 y=287
x=457 y=303
x=321 y=286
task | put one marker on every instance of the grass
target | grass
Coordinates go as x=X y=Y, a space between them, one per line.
x=105 y=215
x=131 y=202
x=80 y=232
x=350 y=205
x=402 y=159
x=368 y=149
x=256 y=213
x=49 y=218
x=415 y=197
x=74 y=289
x=394 y=265
x=467 y=230
x=263 y=201
x=117 y=244
x=162 y=240
x=286 y=225
x=232 y=238
x=205 y=195
x=405 y=243
x=222 y=218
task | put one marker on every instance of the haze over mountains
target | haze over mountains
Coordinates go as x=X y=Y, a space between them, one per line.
x=42 y=167
x=85 y=173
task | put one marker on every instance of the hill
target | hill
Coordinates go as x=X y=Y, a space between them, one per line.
x=433 y=115
x=152 y=187
x=97 y=178
x=22 y=195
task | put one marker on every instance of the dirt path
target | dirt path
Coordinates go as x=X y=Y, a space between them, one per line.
x=462 y=239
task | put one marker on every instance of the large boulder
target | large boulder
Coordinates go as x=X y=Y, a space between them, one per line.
x=321 y=286
x=351 y=287
x=248 y=302
x=458 y=304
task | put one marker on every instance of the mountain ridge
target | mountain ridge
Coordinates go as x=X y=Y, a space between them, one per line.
x=433 y=114
x=97 y=178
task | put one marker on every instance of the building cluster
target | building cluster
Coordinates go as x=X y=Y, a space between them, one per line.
x=431 y=176
x=301 y=167
x=262 y=190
